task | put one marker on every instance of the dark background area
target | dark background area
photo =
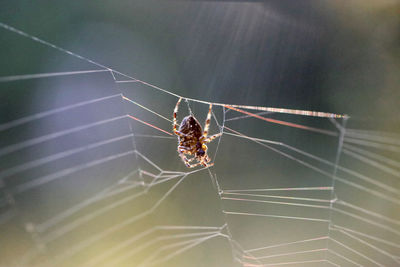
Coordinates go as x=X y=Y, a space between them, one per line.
x=340 y=57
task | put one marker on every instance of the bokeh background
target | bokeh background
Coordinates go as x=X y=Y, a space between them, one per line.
x=332 y=56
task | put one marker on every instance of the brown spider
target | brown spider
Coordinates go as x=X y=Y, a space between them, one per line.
x=192 y=140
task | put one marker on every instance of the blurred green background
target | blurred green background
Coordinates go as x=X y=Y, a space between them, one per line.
x=332 y=56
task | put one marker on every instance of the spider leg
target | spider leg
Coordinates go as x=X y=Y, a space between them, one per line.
x=193 y=165
x=178 y=133
x=208 y=120
x=205 y=161
x=209 y=139
x=187 y=161
x=206 y=164
x=184 y=150
x=191 y=159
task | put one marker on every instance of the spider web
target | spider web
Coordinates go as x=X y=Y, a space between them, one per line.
x=93 y=179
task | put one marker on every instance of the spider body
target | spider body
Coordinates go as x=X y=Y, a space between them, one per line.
x=191 y=127
x=192 y=139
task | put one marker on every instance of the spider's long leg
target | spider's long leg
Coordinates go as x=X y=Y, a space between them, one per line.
x=174 y=115
x=206 y=164
x=205 y=161
x=209 y=139
x=207 y=124
x=185 y=149
x=191 y=159
x=186 y=160
x=193 y=165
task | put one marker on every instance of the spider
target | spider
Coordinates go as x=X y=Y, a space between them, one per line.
x=192 y=139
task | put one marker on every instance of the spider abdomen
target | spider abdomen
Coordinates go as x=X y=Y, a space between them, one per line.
x=191 y=127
